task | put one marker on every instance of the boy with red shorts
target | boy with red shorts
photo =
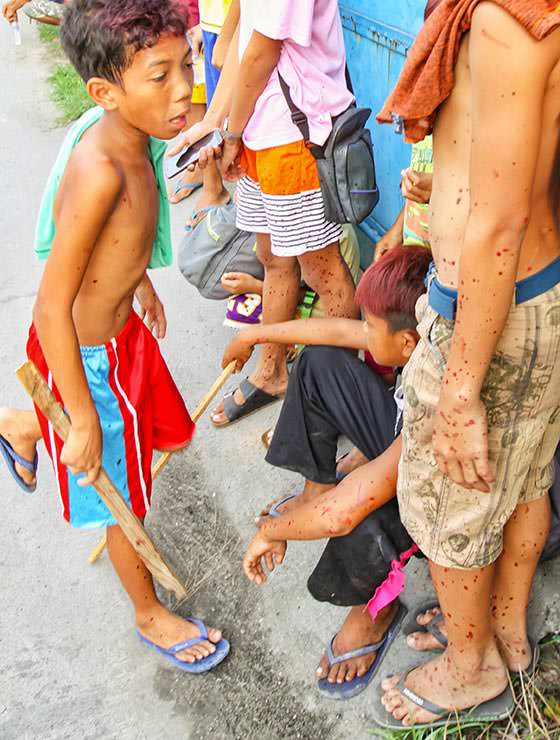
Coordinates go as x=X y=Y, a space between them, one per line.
x=103 y=364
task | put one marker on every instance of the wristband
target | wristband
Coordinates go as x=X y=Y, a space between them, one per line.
x=229 y=135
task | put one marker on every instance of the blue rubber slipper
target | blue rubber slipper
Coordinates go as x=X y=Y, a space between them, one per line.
x=11 y=458
x=200 y=212
x=195 y=214
x=349 y=689
x=191 y=186
x=273 y=512
x=200 y=666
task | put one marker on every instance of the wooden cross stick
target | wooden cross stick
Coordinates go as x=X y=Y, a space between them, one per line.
x=44 y=399
x=164 y=459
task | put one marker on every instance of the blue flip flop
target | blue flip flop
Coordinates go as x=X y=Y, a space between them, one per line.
x=200 y=666
x=11 y=457
x=349 y=689
x=273 y=512
x=200 y=211
x=192 y=186
x=195 y=214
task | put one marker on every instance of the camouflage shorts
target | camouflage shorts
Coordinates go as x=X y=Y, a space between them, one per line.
x=455 y=527
x=44 y=8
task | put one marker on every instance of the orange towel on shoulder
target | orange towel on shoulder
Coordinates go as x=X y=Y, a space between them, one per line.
x=427 y=77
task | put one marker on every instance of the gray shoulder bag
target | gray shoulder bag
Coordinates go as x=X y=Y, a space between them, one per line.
x=345 y=162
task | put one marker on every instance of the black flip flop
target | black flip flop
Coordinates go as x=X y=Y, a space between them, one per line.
x=432 y=627
x=493 y=710
x=255 y=399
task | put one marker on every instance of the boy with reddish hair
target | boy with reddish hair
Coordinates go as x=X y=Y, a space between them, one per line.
x=332 y=392
x=105 y=211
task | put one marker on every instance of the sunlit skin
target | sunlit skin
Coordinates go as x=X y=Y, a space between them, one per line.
x=491 y=223
x=106 y=213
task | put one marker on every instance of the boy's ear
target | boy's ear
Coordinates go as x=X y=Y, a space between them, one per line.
x=102 y=92
x=409 y=341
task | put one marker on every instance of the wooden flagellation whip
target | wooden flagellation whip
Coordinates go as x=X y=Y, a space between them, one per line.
x=43 y=397
x=164 y=458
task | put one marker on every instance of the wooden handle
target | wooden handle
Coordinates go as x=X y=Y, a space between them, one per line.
x=42 y=396
x=164 y=458
x=199 y=410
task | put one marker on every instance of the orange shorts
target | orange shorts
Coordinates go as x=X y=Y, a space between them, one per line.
x=281 y=195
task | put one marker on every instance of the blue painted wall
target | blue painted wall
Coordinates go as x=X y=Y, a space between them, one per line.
x=378 y=34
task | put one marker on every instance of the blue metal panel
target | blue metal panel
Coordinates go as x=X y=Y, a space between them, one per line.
x=378 y=34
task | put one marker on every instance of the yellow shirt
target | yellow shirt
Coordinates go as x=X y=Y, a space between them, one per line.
x=213 y=14
x=416 y=231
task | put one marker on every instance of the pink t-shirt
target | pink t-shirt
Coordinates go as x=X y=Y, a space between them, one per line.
x=312 y=62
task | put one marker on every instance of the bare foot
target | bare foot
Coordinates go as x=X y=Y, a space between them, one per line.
x=21 y=429
x=166 y=629
x=276 y=387
x=209 y=198
x=446 y=683
x=350 y=462
x=357 y=631
x=241 y=282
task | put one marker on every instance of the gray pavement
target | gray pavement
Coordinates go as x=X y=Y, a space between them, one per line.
x=70 y=664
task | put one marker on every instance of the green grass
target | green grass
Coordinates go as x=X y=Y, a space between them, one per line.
x=536 y=715
x=67 y=88
x=48 y=34
x=68 y=92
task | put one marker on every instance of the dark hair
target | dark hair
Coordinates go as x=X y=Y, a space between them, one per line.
x=390 y=288
x=101 y=37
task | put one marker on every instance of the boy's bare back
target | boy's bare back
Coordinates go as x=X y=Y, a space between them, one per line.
x=105 y=212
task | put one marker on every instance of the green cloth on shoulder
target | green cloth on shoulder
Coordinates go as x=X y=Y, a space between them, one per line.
x=162 y=253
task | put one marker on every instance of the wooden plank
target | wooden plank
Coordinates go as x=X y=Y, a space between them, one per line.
x=42 y=396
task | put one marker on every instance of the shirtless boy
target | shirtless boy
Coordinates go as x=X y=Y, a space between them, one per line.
x=96 y=353
x=482 y=412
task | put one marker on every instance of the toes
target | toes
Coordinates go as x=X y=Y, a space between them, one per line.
x=392 y=700
x=401 y=713
x=186 y=656
x=215 y=636
x=423 y=641
x=351 y=672
x=323 y=667
x=333 y=674
x=389 y=683
x=426 y=617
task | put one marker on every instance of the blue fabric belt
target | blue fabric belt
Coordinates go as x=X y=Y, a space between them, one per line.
x=444 y=300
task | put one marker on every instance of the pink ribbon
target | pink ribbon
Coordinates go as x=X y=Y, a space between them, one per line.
x=392 y=586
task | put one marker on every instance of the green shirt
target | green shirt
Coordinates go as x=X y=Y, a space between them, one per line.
x=162 y=252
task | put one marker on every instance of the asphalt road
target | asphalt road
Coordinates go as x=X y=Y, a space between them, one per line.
x=70 y=664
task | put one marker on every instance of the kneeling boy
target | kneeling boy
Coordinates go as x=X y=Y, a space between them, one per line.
x=332 y=392
x=97 y=355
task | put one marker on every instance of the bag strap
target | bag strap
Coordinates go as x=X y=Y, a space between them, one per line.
x=298 y=116
x=300 y=119
x=349 y=84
